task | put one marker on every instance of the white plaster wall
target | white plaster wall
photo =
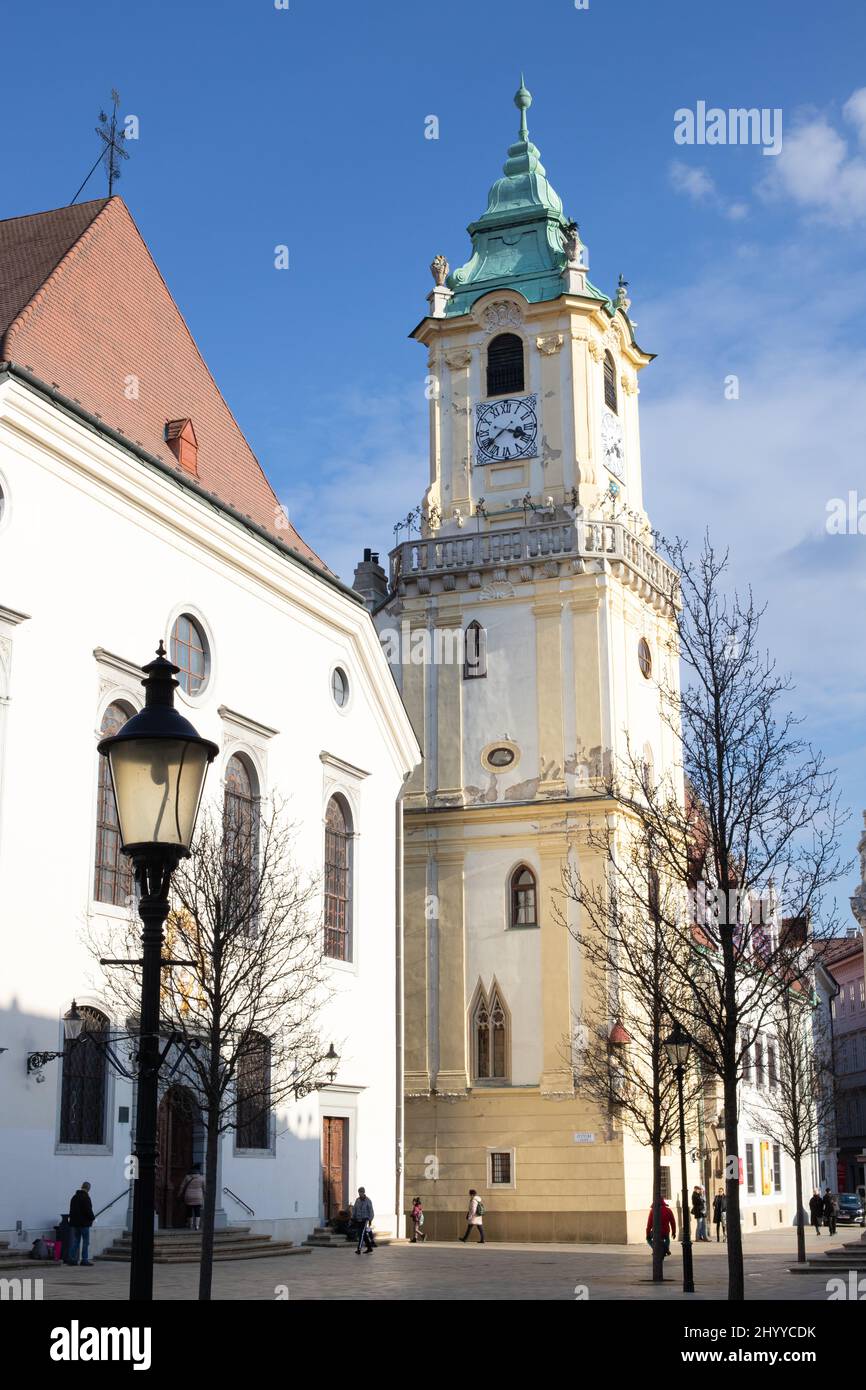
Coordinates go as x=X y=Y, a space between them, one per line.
x=502 y=704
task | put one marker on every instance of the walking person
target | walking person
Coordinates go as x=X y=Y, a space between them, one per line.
x=191 y=1191
x=80 y=1221
x=418 y=1232
x=362 y=1213
x=830 y=1210
x=699 y=1212
x=720 y=1209
x=474 y=1216
x=816 y=1210
x=668 y=1225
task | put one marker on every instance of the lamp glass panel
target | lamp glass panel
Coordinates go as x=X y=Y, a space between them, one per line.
x=157 y=786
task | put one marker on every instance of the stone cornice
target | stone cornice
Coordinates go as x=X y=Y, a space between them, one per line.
x=12 y=617
x=341 y=766
x=118 y=663
x=245 y=724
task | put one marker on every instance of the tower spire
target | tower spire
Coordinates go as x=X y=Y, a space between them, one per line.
x=523 y=101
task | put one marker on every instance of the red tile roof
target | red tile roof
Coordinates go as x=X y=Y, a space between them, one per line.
x=84 y=308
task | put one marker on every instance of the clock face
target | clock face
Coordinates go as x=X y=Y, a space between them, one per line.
x=506 y=429
x=612 y=445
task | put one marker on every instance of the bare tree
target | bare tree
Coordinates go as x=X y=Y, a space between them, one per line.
x=760 y=822
x=241 y=1017
x=624 y=1066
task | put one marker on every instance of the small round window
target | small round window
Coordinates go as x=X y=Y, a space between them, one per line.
x=189 y=651
x=340 y=687
x=644 y=656
x=500 y=757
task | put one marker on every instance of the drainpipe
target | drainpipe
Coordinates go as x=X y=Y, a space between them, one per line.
x=400 y=994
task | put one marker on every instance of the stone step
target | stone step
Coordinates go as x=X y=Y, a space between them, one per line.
x=193 y=1242
x=827 y=1267
x=184 y=1246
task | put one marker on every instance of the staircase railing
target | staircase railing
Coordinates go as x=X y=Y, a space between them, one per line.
x=228 y=1193
x=124 y=1193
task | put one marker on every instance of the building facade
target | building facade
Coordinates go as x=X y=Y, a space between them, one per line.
x=132 y=510
x=534 y=618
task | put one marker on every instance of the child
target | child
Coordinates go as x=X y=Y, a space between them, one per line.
x=417 y=1221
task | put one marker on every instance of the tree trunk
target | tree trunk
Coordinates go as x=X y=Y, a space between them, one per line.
x=801 y=1232
x=205 y=1273
x=658 y=1234
x=736 y=1283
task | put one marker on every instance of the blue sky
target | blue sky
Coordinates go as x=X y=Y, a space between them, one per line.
x=305 y=127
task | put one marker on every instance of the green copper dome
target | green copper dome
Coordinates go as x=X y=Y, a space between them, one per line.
x=518 y=243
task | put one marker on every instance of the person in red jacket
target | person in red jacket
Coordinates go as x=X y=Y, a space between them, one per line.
x=669 y=1226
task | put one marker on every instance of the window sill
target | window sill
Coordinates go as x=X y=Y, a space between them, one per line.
x=348 y=967
x=85 y=1150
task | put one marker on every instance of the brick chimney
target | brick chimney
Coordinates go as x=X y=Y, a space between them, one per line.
x=370 y=580
x=180 y=438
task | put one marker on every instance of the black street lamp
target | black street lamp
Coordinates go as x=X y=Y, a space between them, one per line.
x=678 y=1047
x=72 y=1026
x=158 y=766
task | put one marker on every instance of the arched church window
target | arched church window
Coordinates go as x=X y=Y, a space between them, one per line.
x=338 y=880
x=505 y=365
x=610 y=383
x=254 y=1093
x=241 y=834
x=85 y=1077
x=524 y=898
x=474 y=652
x=490 y=1037
x=112 y=872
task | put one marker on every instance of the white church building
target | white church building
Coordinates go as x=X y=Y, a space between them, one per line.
x=133 y=510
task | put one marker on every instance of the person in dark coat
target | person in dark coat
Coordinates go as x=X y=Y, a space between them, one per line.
x=699 y=1212
x=816 y=1210
x=830 y=1210
x=720 y=1208
x=80 y=1222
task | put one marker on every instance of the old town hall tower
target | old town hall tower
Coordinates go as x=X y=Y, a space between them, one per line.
x=536 y=550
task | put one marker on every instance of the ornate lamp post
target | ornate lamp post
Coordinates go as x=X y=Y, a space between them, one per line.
x=678 y=1047
x=158 y=766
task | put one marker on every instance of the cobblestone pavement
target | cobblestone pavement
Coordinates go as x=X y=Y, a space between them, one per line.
x=439 y=1271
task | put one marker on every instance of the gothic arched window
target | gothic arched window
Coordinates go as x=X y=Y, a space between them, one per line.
x=489 y=1037
x=610 y=383
x=254 y=1094
x=85 y=1077
x=524 y=898
x=241 y=823
x=504 y=365
x=338 y=880
x=112 y=872
x=474 y=652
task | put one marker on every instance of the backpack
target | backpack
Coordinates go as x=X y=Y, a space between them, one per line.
x=480 y=1209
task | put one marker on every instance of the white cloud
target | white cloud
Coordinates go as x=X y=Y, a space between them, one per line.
x=695 y=183
x=818 y=171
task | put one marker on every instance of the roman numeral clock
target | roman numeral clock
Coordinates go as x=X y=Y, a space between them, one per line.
x=506 y=429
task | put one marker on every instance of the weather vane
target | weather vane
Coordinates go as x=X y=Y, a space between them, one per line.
x=112 y=151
